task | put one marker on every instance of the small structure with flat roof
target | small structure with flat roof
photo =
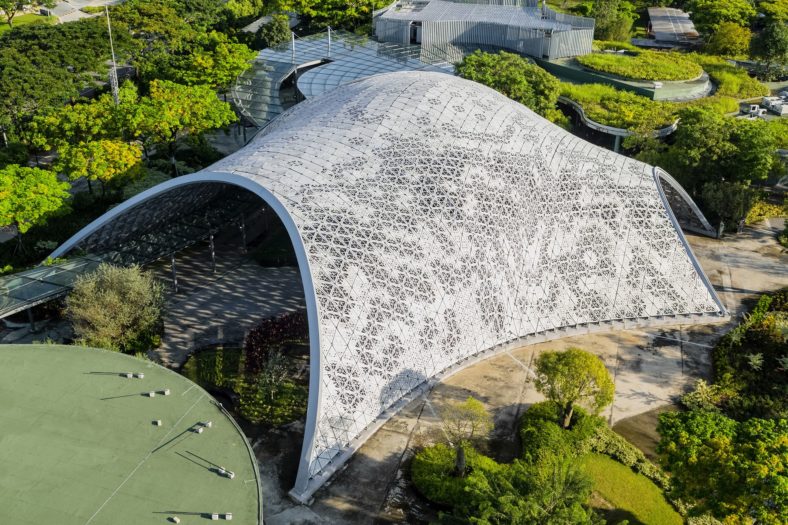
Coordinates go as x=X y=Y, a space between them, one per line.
x=84 y=444
x=670 y=25
x=525 y=28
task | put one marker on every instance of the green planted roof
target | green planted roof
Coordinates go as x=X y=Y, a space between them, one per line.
x=78 y=443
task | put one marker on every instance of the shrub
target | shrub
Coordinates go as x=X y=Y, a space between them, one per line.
x=117 y=308
x=765 y=210
x=782 y=237
x=268 y=337
x=432 y=468
x=605 y=45
x=621 y=109
x=756 y=393
x=261 y=402
x=539 y=436
x=515 y=77
x=643 y=65
x=542 y=437
x=731 y=80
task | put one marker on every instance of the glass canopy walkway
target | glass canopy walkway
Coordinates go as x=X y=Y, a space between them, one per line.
x=159 y=227
x=29 y=288
x=321 y=62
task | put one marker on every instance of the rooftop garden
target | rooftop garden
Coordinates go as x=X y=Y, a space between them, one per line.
x=730 y=80
x=643 y=65
x=622 y=109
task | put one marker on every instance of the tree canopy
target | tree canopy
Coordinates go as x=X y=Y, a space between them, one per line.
x=572 y=377
x=339 y=14
x=102 y=160
x=211 y=59
x=737 y=471
x=273 y=33
x=172 y=110
x=707 y=15
x=515 y=77
x=613 y=19
x=730 y=39
x=465 y=423
x=30 y=196
x=710 y=147
x=770 y=46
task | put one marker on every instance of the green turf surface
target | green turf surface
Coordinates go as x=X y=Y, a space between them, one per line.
x=633 y=496
x=24 y=20
x=77 y=443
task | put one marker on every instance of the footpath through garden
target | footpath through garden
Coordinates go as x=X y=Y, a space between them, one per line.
x=651 y=367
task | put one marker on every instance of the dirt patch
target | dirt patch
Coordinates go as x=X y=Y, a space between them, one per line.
x=641 y=430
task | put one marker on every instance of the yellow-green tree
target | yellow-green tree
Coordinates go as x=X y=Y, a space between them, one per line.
x=730 y=39
x=574 y=377
x=465 y=423
x=29 y=196
x=102 y=160
x=172 y=111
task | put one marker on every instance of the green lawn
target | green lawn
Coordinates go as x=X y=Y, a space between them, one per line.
x=24 y=20
x=632 y=496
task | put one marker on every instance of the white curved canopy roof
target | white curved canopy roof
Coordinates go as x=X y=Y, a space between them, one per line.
x=435 y=219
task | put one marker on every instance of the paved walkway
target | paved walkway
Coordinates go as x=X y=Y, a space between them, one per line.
x=651 y=367
x=209 y=306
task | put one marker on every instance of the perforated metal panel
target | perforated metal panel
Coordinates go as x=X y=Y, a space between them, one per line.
x=435 y=219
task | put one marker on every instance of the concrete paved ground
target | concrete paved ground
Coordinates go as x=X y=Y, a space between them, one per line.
x=211 y=306
x=650 y=367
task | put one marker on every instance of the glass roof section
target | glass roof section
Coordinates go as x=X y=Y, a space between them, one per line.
x=154 y=229
x=331 y=60
x=22 y=290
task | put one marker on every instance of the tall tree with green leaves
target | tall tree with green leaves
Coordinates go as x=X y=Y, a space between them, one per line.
x=770 y=47
x=613 y=18
x=29 y=197
x=730 y=39
x=573 y=377
x=173 y=111
x=515 y=77
x=707 y=15
x=273 y=33
x=710 y=147
x=211 y=60
x=105 y=161
x=465 y=423
x=13 y=7
x=339 y=14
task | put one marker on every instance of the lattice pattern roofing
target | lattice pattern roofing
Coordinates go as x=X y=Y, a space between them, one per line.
x=440 y=219
x=434 y=219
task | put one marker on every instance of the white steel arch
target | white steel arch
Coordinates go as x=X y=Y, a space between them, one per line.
x=435 y=219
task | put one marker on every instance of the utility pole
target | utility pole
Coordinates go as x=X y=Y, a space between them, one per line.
x=113 y=72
